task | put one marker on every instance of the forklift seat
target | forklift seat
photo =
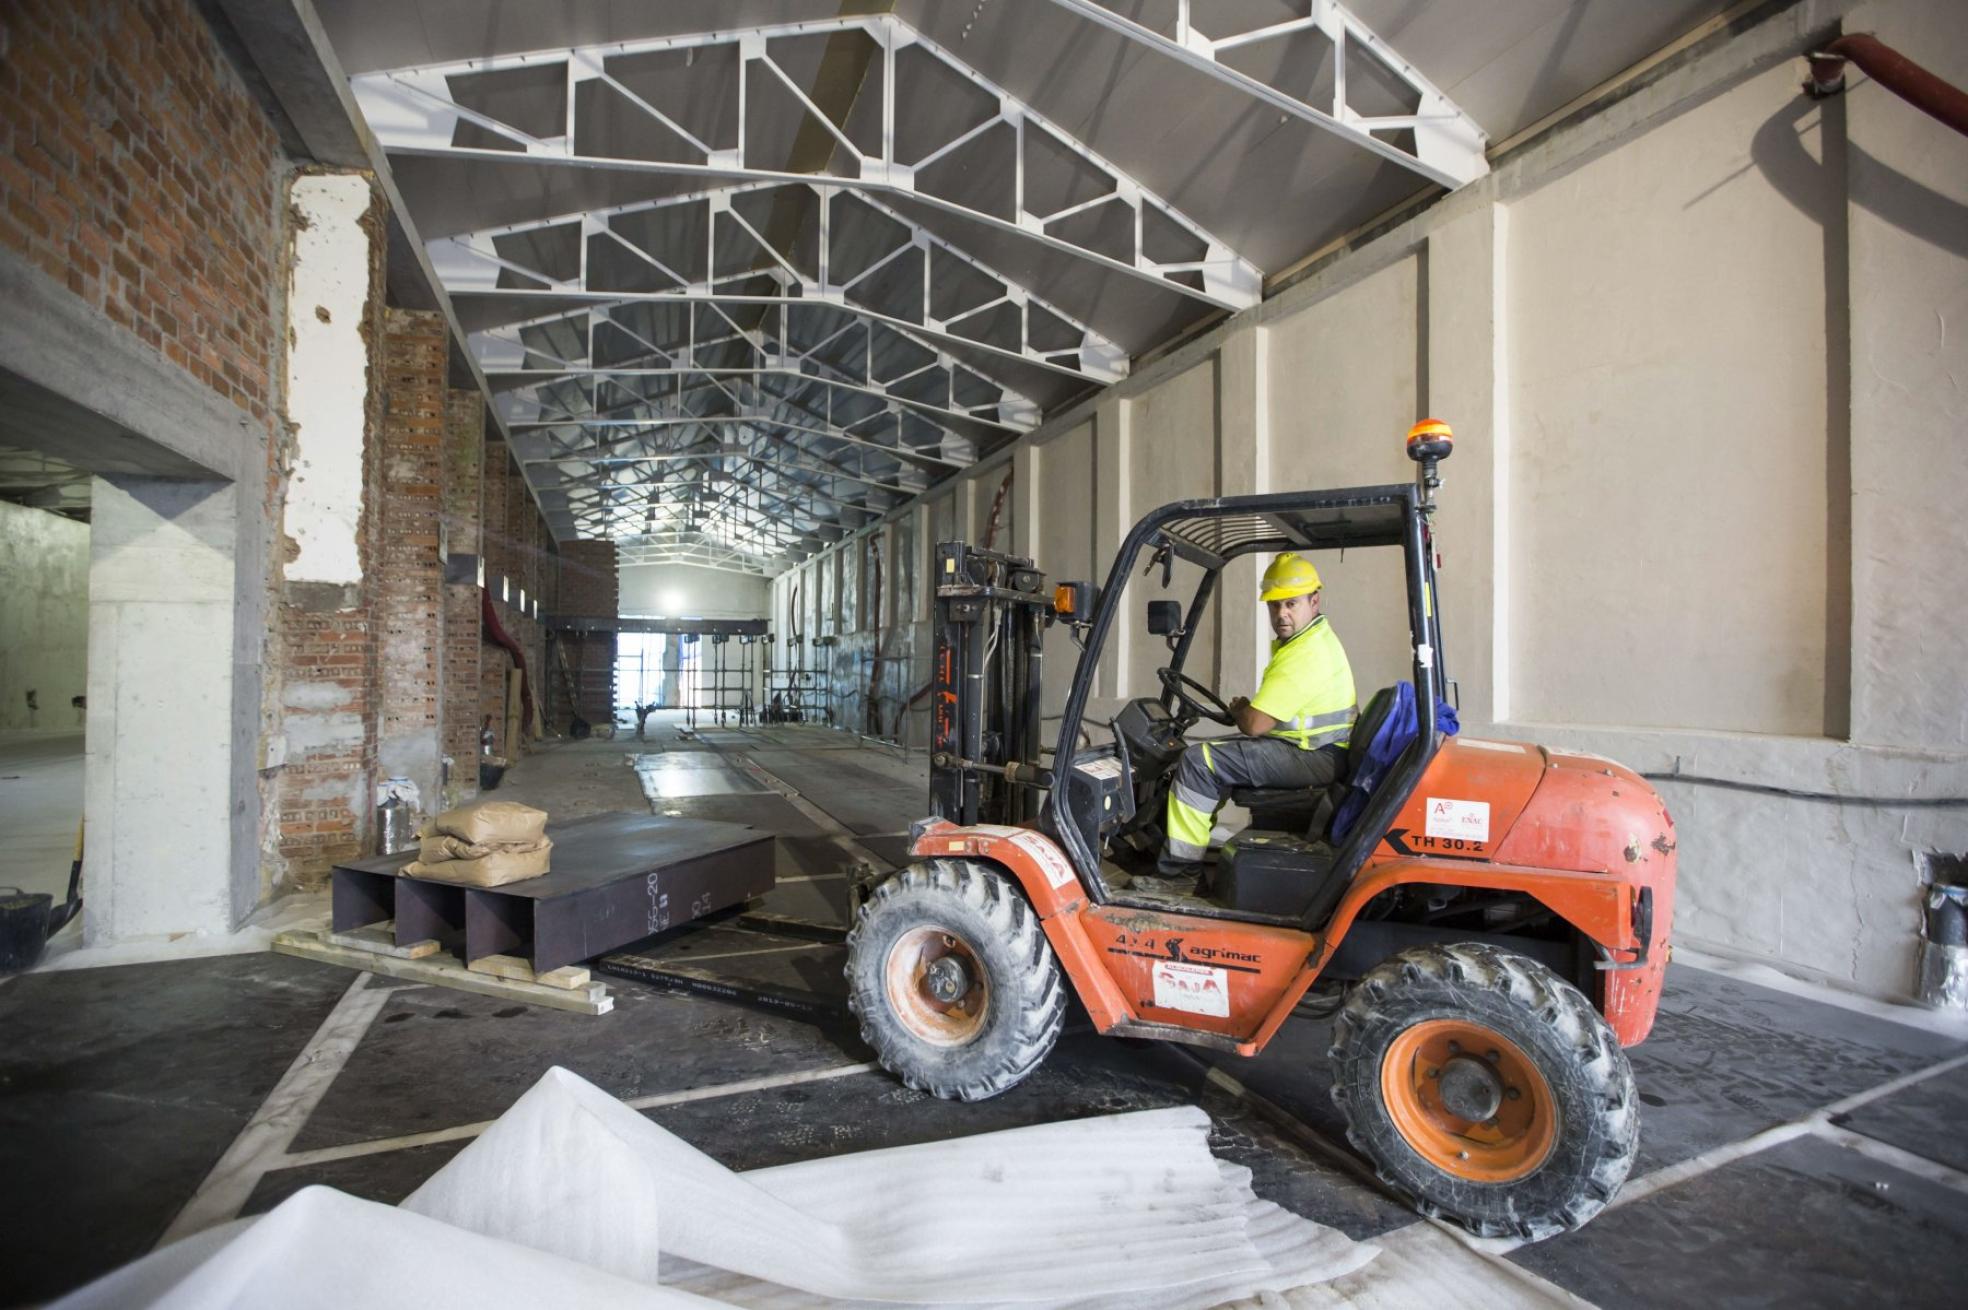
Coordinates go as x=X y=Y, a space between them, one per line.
x=1308 y=811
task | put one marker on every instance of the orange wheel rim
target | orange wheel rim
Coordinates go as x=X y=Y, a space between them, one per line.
x=936 y=986
x=1469 y=1101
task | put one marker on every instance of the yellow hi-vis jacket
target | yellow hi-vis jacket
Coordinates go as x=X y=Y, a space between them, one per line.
x=1308 y=689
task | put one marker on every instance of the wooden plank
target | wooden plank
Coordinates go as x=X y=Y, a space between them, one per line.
x=381 y=938
x=569 y=976
x=445 y=971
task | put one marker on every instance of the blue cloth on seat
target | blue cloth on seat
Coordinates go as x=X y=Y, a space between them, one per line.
x=1397 y=729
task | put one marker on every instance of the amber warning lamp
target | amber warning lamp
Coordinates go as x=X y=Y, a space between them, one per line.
x=1429 y=443
x=1074 y=601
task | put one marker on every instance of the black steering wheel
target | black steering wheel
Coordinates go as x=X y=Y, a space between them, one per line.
x=1200 y=701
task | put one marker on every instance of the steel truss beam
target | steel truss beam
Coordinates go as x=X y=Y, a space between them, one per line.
x=505 y=352
x=414 y=112
x=473 y=264
x=1449 y=144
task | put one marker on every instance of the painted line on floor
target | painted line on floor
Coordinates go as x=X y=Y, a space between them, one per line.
x=732 y=955
x=383 y=1145
x=263 y=1142
x=1708 y=1161
x=827 y=823
x=1888 y=1154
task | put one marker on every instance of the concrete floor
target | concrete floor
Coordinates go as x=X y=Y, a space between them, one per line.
x=1796 y=1148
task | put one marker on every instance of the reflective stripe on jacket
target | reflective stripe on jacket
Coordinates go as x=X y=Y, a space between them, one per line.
x=1308 y=688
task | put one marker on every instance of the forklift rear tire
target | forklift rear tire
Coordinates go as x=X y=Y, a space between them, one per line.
x=1486 y=1089
x=954 y=983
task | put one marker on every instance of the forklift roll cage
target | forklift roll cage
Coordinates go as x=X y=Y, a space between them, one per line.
x=1210 y=534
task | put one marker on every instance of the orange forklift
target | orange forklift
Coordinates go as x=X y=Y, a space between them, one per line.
x=1489 y=922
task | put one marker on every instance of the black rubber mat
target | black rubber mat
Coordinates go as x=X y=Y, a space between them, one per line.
x=119 y=1090
x=1803 y=1224
x=1929 y=1118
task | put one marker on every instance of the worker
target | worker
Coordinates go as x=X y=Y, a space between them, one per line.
x=1295 y=729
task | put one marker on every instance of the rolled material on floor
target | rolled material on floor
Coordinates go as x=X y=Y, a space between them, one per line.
x=1121 y=1210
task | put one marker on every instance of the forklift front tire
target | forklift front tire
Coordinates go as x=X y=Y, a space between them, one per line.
x=954 y=983
x=1486 y=1089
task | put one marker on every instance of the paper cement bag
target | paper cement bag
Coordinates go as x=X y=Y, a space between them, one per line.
x=491 y=823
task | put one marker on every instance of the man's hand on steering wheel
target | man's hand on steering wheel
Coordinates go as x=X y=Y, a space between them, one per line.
x=1199 y=701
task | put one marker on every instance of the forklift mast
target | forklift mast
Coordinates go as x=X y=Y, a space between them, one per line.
x=991 y=614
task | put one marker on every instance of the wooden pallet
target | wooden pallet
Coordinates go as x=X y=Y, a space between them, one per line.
x=443 y=969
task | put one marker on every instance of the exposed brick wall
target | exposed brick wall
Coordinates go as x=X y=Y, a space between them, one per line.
x=495 y=663
x=518 y=557
x=589 y=581
x=137 y=169
x=464 y=463
x=320 y=793
x=589 y=587
x=407 y=590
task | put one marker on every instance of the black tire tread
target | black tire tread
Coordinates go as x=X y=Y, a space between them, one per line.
x=1036 y=994
x=1596 y=1060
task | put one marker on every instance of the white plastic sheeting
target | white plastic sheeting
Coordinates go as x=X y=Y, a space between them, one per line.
x=572 y=1191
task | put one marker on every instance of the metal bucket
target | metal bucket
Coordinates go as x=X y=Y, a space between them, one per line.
x=398 y=816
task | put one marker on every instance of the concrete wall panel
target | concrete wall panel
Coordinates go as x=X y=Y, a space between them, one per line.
x=1343 y=384
x=1669 y=360
x=1909 y=299
x=1062 y=474
x=1171 y=456
x=44 y=618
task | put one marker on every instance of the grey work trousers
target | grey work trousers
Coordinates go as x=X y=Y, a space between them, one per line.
x=1210 y=769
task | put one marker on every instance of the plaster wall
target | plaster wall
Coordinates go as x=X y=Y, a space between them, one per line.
x=1907 y=216
x=1062 y=481
x=1699 y=350
x=1343 y=391
x=677 y=590
x=1671 y=404
x=327 y=310
x=44 y=618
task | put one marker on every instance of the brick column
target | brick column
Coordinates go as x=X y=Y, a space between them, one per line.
x=464 y=470
x=409 y=584
x=588 y=587
x=324 y=756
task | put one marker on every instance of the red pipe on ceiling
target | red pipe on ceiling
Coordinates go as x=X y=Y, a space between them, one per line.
x=1892 y=70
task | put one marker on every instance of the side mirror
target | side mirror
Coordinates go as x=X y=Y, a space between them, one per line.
x=1164 y=618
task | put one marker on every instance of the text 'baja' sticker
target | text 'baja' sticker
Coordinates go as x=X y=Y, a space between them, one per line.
x=1196 y=988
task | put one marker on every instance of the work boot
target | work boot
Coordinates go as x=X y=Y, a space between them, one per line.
x=1169 y=866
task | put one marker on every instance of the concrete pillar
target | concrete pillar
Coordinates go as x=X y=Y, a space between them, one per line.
x=926 y=580
x=1466 y=383
x=1243 y=408
x=1022 y=504
x=1900 y=469
x=324 y=752
x=409 y=586
x=464 y=455
x=1113 y=515
x=159 y=776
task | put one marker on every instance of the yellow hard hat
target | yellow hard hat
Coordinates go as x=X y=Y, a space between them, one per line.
x=1289 y=575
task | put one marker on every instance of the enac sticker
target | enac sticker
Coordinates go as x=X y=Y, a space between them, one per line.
x=1195 y=988
x=1468 y=820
